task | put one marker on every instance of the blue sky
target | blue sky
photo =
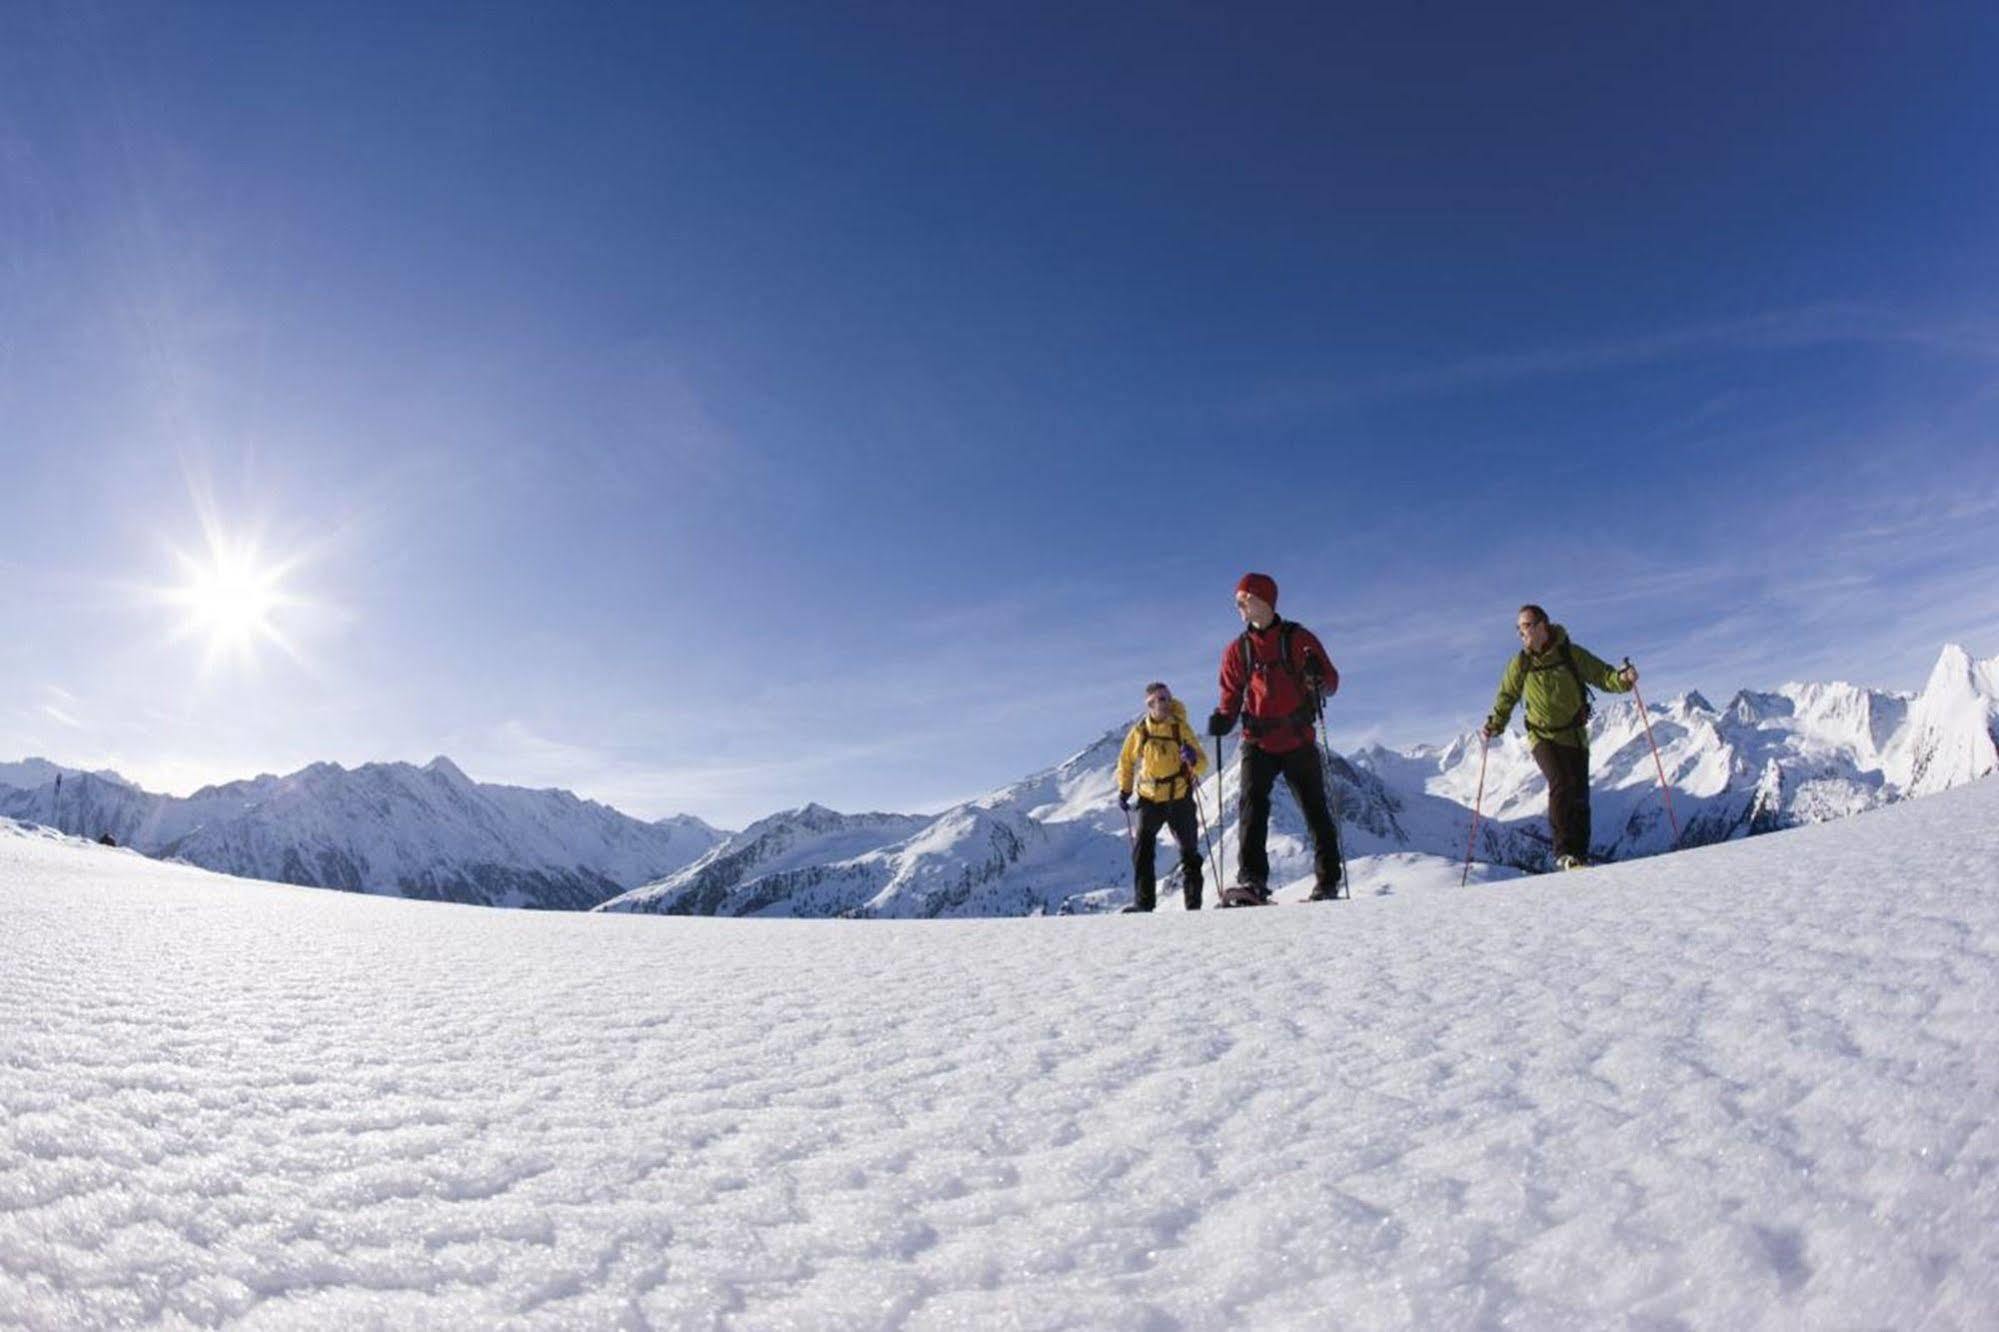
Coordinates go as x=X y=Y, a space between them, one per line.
x=716 y=408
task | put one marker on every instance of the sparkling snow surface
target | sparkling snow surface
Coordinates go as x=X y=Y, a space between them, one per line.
x=1753 y=1085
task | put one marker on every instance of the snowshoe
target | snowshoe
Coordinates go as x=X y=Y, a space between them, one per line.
x=1246 y=895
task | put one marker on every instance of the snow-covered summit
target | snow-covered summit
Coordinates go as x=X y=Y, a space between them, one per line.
x=1952 y=734
x=449 y=771
x=31 y=773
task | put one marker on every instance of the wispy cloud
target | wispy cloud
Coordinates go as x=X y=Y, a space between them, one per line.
x=1869 y=589
x=516 y=753
x=1828 y=324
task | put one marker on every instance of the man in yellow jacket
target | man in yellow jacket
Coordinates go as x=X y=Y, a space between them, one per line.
x=1164 y=755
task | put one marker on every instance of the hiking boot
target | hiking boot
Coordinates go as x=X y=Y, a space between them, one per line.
x=1325 y=892
x=1571 y=863
x=1133 y=910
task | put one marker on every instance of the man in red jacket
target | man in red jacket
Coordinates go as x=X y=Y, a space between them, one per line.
x=1275 y=675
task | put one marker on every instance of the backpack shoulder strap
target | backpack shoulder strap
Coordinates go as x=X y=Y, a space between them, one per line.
x=1282 y=661
x=1569 y=660
x=1564 y=659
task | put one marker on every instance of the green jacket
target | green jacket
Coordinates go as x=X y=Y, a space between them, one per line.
x=1554 y=695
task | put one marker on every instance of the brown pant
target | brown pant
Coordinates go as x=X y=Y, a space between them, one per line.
x=1567 y=769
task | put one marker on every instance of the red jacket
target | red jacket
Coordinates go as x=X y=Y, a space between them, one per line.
x=1276 y=706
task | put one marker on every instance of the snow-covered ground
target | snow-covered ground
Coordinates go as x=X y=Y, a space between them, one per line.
x=1751 y=1085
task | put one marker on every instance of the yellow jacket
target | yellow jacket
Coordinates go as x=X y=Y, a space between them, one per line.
x=1154 y=749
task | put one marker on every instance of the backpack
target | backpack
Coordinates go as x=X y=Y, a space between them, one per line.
x=1182 y=736
x=1564 y=660
x=1306 y=712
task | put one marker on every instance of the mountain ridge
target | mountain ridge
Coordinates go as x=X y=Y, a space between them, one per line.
x=385 y=827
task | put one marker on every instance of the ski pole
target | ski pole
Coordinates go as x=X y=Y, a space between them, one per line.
x=1484 y=744
x=1200 y=814
x=1131 y=851
x=1664 y=790
x=1332 y=789
x=1221 y=817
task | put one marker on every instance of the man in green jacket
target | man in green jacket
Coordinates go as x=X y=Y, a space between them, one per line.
x=1555 y=675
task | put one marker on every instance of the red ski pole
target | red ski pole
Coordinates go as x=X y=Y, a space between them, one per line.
x=1484 y=743
x=1657 y=762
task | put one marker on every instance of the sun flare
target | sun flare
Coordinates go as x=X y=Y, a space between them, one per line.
x=229 y=598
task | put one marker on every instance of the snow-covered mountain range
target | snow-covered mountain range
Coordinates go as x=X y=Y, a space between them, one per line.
x=426 y=832
x=1029 y=848
x=1055 y=842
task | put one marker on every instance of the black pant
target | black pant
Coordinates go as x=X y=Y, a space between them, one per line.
x=1179 y=816
x=1567 y=769
x=1307 y=780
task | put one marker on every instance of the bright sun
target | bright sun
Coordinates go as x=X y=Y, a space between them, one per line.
x=229 y=597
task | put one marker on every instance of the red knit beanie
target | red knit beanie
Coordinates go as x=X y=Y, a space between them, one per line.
x=1259 y=585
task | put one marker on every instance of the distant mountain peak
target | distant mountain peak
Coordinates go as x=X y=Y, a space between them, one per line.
x=445 y=768
x=1952 y=674
x=690 y=823
x=33 y=772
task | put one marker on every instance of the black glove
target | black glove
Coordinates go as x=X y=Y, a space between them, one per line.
x=1221 y=723
x=1492 y=732
x=1188 y=758
x=1124 y=801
